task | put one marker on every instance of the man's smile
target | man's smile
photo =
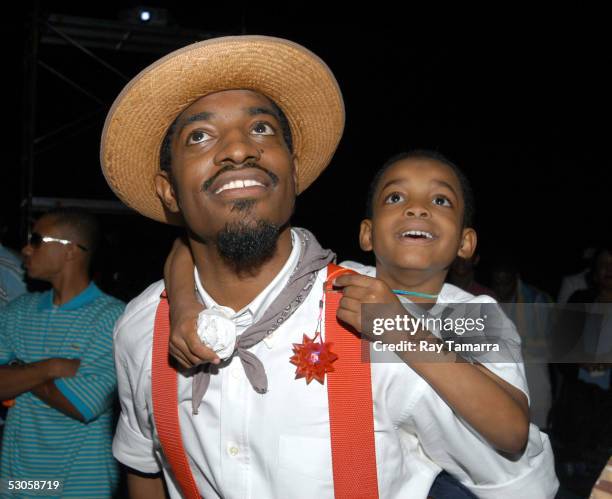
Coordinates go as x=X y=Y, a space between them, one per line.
x=239 y=184
x=243 y=182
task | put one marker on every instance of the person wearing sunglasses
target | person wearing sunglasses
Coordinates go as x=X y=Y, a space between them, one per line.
x=56 y=361
x=35 y=240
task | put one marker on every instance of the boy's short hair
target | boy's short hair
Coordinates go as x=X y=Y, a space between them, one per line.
x=466 y=188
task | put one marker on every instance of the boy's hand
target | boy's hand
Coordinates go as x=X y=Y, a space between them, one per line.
x=361 y=289
x=185 y=344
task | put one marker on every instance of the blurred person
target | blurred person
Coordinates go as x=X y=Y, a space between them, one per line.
x=12 y=285
x=509 y=287
x=599 y=279
x=56 y=361
x=462 y=274
x=578 y=281
x=597 y=340
x=531 y=322
x=582 y=414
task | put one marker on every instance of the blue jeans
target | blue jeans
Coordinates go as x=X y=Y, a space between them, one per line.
x=447 y=487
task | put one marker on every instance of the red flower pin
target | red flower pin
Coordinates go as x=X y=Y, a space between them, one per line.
x=313 y=359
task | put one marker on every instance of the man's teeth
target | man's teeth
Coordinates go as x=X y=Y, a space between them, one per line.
x=238 y=184
x=417 y=233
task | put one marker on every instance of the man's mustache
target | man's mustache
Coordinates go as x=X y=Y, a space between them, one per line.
x=206 y=185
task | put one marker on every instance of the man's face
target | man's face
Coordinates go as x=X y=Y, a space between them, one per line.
x=230 y=164
x=417 y=221
x=48 y=259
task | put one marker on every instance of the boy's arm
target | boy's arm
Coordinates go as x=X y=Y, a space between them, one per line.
x=495 y=409
x=490 y=405
x=454 y=445
x=185 y=345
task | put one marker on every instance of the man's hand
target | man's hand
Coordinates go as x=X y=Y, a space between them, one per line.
x=358 y=290
x=185 y=344
x=61 y=368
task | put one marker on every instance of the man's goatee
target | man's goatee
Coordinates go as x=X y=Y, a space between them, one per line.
x=247 y=246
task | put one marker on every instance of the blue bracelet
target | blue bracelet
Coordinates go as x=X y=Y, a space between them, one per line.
x=414 y=293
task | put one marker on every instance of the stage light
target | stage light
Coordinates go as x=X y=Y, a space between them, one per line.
x=143 y=14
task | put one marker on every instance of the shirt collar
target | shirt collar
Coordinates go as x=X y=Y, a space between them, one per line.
x=89 y=294
x=263 y=300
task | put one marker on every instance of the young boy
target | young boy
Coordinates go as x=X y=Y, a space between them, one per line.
x=418 y=221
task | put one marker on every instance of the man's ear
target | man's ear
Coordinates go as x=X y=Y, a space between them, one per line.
x=71 y=252
x=165 y=191
x=296 y=180
x=467 y=247
x=365 y=235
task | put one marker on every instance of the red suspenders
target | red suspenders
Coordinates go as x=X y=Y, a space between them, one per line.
x=164 y=387
x=349 y=390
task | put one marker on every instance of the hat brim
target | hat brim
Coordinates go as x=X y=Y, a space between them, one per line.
x=298 y=81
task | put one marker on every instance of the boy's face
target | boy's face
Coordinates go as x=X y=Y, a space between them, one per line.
x=417 y=219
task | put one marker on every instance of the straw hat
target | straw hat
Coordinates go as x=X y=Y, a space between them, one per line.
x=297 y=80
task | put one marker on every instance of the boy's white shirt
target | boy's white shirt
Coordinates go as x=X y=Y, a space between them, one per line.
x=243 y=444
x=513 y=373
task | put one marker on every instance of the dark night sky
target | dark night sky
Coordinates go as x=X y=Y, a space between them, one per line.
x=519 y=100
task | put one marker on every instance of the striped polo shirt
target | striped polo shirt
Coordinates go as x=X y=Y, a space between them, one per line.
x=41 y=443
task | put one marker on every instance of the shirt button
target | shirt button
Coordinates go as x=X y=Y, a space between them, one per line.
x=235 y=373
x=233 y=450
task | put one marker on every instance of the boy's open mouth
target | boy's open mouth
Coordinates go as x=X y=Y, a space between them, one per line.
x=417 y=234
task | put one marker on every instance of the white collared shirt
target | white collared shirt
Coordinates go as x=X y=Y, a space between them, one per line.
x=255 y=310
x=277 y=445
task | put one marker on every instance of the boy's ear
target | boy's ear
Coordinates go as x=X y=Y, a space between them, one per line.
x=467 y=247
x=165 y=191
x=365 y=235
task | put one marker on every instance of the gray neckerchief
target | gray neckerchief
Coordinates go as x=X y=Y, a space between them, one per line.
x=312 y=259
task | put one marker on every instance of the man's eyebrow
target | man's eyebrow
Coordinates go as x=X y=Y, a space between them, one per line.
x=203 y=116
x=254 y=111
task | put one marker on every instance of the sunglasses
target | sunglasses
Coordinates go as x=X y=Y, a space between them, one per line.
x=36 y=240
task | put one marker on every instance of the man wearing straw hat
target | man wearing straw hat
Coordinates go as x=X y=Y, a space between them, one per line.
x=220 y=137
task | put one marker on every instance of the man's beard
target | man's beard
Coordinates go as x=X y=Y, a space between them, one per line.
x=247 y=246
